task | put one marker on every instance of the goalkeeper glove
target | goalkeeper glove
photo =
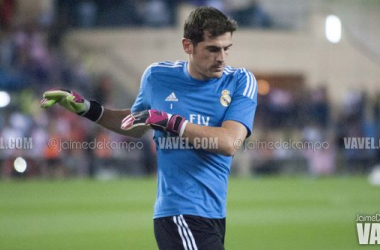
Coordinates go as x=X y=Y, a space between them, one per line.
x=158 y=120
x=73 y=102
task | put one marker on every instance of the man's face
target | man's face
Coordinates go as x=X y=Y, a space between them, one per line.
x=207 y=59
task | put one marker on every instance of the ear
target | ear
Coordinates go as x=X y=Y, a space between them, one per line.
x=187 y=46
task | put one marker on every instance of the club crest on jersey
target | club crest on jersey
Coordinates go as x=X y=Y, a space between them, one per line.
x=225 y=99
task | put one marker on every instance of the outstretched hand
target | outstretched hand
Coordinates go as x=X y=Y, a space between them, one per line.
x=67 y=99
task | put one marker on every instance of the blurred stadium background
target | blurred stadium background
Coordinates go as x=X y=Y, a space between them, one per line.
x=318 y=68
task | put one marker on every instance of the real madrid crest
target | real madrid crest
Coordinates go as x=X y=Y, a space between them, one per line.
x=225 y=99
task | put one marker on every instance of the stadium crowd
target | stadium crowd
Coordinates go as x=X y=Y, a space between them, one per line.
x=152 y=13
x=32 y=61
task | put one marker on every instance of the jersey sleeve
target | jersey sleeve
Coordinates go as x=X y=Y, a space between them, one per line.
x=142 y=100
x=244 y=100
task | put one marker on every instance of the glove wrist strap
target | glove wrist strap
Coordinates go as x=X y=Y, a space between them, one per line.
x=95 y=111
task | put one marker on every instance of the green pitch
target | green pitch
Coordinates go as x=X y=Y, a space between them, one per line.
x=274 y=213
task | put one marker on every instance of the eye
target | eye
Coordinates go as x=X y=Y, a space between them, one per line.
x=214 y=50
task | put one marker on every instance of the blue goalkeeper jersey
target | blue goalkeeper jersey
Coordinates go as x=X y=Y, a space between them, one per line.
x=194 y=181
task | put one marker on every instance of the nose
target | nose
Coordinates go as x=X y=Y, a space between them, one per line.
x=221 y=56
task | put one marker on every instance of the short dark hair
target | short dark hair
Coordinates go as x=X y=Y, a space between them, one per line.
x=207 y=19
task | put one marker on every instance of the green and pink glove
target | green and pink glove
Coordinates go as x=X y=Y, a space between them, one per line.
x=158 y=120
x=73 y=102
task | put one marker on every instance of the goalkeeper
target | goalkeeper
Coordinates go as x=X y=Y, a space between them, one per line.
x=198 y=99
